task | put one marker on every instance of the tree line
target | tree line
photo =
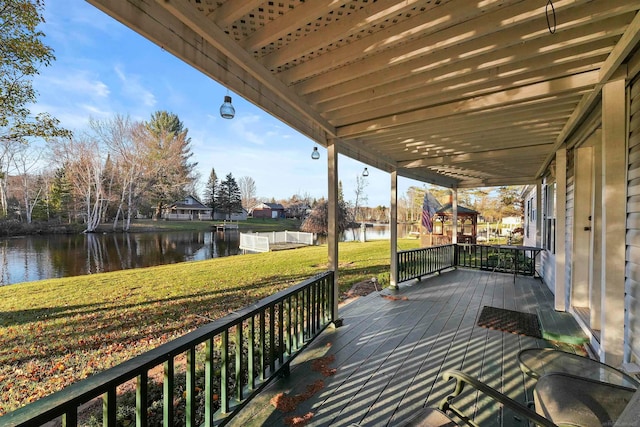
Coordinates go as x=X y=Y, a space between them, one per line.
x=112 y=172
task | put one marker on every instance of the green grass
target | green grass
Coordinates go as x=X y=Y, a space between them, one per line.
x=55 y=332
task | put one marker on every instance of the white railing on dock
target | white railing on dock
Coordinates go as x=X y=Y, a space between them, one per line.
x=260 y=242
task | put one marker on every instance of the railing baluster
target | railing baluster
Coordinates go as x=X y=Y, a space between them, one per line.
x=224 y=369
x=141 y=399
x=167 y=391
x=251 y=343
x=281 y=333
x=70 y=418
x=208 y=383
x=272 y=339
x=190 y=404
x=263 y=344
x=238 y=348
x=109 y=408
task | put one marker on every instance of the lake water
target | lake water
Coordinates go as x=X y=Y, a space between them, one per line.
x=30 y=258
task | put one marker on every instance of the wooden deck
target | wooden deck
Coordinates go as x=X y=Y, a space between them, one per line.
x=390 y=354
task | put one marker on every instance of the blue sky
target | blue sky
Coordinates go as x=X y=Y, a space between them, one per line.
x=102 y=68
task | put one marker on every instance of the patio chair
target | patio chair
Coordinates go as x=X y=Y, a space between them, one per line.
x=559 y=399
x=536 y=362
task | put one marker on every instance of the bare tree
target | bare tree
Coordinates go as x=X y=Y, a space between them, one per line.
x=32 y=189
x=361 y=196
x=247 y=191
x=127 y=168
x=84 y=163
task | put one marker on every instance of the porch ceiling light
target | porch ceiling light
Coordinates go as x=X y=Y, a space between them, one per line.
x=315 y=154
x=226 y=109
x=365 y=172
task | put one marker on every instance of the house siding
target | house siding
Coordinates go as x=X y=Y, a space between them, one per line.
x=632 y=267
x=569 y=228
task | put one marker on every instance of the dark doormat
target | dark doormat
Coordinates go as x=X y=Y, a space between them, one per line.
x=515 y=322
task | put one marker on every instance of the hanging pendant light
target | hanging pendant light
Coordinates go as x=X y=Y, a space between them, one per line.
x=315 y=154
x=365 y=172
x=226 y=109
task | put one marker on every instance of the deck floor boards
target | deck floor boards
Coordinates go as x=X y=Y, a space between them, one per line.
x=390 y=354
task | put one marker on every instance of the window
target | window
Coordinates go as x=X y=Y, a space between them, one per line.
x=549 y=212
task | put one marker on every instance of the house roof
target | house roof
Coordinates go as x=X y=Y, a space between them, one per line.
x=452 y=92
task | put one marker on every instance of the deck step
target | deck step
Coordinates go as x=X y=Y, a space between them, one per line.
x=560 y=326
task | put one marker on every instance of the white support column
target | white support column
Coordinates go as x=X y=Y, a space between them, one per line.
x=539 y=213
x=454 y=212
x=560 y=289
x=595 y=287
x=393 y=231
x=333 y=236
x=614 y=204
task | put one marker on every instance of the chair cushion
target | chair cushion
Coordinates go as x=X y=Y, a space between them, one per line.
x=575 y=401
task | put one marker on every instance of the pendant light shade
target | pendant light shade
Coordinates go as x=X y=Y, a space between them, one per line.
x=365 y=172
x=315 y=154
x=226 y=110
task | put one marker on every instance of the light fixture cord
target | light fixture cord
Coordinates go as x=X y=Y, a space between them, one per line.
x=552 y=28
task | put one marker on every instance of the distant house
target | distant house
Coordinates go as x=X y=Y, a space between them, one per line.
x=188 y=209
x=268 y=210
x=235 y=216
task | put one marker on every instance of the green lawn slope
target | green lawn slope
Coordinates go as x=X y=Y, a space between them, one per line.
x=55 y=332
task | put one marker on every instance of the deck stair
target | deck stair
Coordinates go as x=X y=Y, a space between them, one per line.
x=560 y=326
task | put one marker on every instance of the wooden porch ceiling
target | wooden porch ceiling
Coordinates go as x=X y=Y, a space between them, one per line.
x=454 y=92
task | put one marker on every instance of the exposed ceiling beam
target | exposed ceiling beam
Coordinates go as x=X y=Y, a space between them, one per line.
x=519 y=95
x=472 y=74
x=471 y=157
x=442 y=94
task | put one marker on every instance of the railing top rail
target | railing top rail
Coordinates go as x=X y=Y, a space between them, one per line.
x=430 y=247
x=56 y=404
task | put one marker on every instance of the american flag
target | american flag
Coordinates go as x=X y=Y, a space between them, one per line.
x=429 y=207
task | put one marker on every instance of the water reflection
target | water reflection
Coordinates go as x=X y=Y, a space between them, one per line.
x=32 y=258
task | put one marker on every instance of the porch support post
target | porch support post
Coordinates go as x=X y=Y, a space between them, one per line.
x=332 y=222
x=560 y=291
x=595 y=287
x=454 y=212
x=393 y=231
x=539 y=213
x=614 y=204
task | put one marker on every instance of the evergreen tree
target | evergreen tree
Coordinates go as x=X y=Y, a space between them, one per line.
x=210 y=192
x=168 y=155
x=60 y=196
x=229 y=197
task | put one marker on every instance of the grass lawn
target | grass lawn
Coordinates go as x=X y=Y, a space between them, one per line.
x=55 y=332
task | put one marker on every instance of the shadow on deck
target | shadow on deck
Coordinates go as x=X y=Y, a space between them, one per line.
x=390 y=353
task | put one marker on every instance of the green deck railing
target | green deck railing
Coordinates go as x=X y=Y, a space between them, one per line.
x=417 y=263
x=217 y=368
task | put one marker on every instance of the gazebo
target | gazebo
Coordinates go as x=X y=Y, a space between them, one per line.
x=442 y=225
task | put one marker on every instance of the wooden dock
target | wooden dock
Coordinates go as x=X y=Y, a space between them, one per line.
x=390 y=354
x=226 y=226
